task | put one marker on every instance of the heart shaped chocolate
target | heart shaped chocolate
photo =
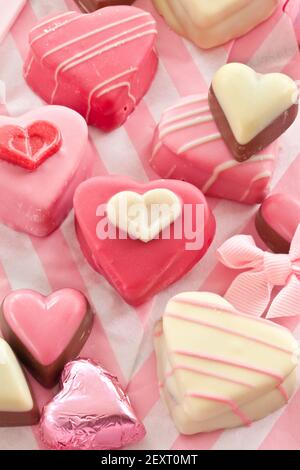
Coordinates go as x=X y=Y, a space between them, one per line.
x=91 y=412
x=29 y=147
x=36 y=202
x=251 y=110
x=219 y=368
x=188 y=146
x=30 y=322
x=99 y=64
x=144 y=216
x=17 y=406
x=157 y=263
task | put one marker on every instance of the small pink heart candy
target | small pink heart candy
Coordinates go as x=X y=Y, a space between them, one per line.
x=91 y=412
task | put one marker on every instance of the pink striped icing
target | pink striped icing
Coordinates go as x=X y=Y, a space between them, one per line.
x=227 y=331
x=187 y=145
x=227 y=362
x=225 y=401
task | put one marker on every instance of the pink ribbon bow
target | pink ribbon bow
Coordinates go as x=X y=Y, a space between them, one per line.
x=251 y=291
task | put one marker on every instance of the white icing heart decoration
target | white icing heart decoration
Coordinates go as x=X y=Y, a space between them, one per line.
x=218 y=368
x=15 y=395
x=144 y=216
x=252 y=101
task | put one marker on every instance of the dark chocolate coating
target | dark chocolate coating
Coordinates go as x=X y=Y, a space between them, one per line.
x=88 y=6
x=261 y=141
x=11 y=419
x=271 y=238
x=49 y=375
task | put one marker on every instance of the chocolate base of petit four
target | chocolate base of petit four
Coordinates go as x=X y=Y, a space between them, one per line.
x=14 y=419
x=271 y=238
x=88 y=6
x=262 y=140
x=48 y=375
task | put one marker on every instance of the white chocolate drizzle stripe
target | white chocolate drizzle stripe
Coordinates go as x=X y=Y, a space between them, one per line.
x=194 y=100
x=65 y=67
x=197 y=142
x=45 y=33
x=94 y=32
x=182 y=116
x=107 y=82
x=185 y=125
x=49 y=20
x=231 y=164
x=260 y=176
x=228 y=331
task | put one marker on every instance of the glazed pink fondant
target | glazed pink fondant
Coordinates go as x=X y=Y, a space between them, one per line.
x=99 y=64
x=45 y=325
x=136 y=269
x=282 y=214
x=188 y=146
x=37 y=201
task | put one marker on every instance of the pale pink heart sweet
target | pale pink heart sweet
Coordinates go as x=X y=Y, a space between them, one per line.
x=46 y=331
x=138 y=270
x=36 y=202
x=91 y=412
x=100 y=64
x=188 y=146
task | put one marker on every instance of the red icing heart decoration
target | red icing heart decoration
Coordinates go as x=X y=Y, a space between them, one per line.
x=91 y=412
x=29 y=147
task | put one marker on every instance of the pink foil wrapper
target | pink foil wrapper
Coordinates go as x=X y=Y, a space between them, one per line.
x=91 y=412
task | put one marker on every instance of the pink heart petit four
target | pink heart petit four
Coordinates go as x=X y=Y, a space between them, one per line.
x=277 y=221
x=91 y=412
x=188 y=146
x=100 y=64
x=46 y=332
x=52 y=142
x=150 y=256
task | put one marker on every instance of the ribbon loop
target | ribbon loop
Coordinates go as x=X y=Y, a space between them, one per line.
x=251 y=291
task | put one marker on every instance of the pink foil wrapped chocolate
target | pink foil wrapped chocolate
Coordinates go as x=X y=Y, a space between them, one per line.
x=91 y=412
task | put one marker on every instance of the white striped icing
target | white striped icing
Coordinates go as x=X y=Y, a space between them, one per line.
x=185 y=124
x=107 y=90
x=191 y=113
x=70 y=63
x=52 y=30
x=50 y=20
x=260 y=176
x=187 y=101
x=230 y=164
x=93 y=33
x=197 y=142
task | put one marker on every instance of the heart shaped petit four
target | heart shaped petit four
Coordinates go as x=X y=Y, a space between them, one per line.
x=91 y=412
x=17 y=406
x=51 y=142
x=30 y=322
x=188 y=146
x=100 y=64
x=251 y=110
x=162 y=240
x=218 y=368
x=277 y=221
x=211 y=23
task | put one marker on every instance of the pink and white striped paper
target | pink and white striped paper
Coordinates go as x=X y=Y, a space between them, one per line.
x=122 y=337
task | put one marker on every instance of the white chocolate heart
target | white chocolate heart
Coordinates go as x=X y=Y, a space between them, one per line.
x=218 y=368
x=209 y=23
x=15 y=395
x=252 y=101
x=144 y=216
